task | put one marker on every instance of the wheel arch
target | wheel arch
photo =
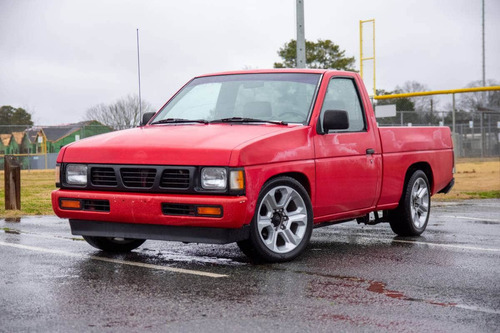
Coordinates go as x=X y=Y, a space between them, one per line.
x=298 y=176
x=425 y=167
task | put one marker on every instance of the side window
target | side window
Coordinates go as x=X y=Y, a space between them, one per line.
x=342 y=95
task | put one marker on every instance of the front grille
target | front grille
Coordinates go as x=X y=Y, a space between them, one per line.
x=96 y=205
x=175 y=178
x=103 y=177
x=138 y=177
x=178 y=209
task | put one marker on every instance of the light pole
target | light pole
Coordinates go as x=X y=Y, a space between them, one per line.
x=301 y=37
x=484 y=85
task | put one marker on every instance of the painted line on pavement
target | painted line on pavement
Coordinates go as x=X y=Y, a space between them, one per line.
x=456 y=246
x=478 y=309
x=115 y=261
x=446 y=245
x=470 y=218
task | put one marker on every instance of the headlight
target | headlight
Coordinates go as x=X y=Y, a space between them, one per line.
x=214 y=178
x=76 y=174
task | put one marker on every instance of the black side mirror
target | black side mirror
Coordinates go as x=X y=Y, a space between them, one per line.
x=147 y=117
x=335 y=120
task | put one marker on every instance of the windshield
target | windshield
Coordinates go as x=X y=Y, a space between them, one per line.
x=282 y=97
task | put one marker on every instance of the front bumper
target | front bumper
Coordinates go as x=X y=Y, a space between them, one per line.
x=146 y=208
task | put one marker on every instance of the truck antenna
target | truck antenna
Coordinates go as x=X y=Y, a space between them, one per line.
x=139 y=77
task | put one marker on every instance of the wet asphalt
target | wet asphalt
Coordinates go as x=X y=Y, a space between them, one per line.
x=351 y=278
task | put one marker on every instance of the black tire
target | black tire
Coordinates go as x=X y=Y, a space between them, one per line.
x=412 y=214
x=282 y=224
x=114 y=244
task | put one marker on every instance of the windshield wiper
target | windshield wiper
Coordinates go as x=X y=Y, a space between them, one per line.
x=247 y=120
x=179 y=120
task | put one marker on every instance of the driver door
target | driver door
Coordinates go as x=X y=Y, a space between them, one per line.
x=348 y=165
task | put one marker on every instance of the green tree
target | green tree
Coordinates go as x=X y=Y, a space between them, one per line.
x=10 y=117
x=320 y=54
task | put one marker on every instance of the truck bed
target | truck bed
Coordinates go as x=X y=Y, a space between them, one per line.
x=406 y=146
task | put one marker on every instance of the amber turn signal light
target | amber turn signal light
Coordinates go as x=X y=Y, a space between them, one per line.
x=70 y=204
x=209 y=211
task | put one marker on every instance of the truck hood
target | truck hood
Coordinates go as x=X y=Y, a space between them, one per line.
x=190 y=144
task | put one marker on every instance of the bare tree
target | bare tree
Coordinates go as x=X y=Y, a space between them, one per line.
x=122 y=114
x=423 y=103
x=475 y=100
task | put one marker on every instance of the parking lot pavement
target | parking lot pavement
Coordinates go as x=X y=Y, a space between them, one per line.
x=352 y=278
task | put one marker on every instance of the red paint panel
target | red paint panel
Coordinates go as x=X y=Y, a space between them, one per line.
x=288 y=144
x=405 y=146
x=405 y=139
x=346 y=184
x=397 y=164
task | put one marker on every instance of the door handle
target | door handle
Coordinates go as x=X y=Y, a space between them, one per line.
x=370 y=151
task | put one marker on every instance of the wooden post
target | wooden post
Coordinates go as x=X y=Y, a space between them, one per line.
x=12 y=174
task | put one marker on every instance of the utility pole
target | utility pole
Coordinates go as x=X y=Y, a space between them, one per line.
x=301 y=36
x=484 y=57
x=484 y=85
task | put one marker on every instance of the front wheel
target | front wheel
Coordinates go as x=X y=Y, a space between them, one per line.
x=282 y=223
x=114 y=244
x=412 y=215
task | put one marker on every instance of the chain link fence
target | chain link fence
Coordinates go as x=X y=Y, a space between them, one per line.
x=476 y=141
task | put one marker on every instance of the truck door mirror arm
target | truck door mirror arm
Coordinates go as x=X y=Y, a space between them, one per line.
x=335 y=120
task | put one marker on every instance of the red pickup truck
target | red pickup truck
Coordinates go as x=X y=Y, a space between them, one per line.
x=254 y=157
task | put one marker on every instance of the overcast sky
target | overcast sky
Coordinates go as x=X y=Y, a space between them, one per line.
x=58 y=58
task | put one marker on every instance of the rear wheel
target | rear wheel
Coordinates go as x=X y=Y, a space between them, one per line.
x=412 y=215
x=282 y=223
x=114 y=244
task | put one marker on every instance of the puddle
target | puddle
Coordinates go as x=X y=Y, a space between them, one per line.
x=186 y=258
x=164 y=256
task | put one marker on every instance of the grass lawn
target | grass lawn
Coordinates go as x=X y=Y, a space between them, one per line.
x=474 y=179
x=36 y=186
